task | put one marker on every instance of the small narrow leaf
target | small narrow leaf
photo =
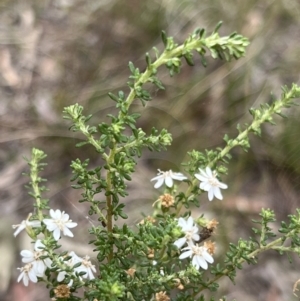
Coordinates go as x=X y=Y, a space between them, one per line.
x=218 y=27
x=113 y=97
x=148 y=59
x=131 y=67
x=164 y=38
x=202 y=33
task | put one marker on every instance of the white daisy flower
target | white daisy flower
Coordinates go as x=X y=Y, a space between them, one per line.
x=70 y=263
x=167 y=178
x=87 y=267
x=39 y=265
x=26 y=224
x=200 y=256
x=60 y=222
x=27 y=273
x=210 y=183
x=190 y=232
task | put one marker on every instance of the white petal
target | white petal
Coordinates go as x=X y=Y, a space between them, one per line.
x=169 y=181
x=55 y=214
x=38 y=246
x=71 y=224
x=207 y=257
x=75 y=257
x=26 y=253
x=209 y=172
x=91 y=275
x=20 y=278
x=178 y=176
x=50 y=224
x=93 y=268
x=20 y=228
x=159 y=183
x=61 y=276
x=67 y=232
x=217 y=193
x=65 y=217
x=47 y=221
x=190 y=222
x=190 y=243
x=34 y=224
x=200 y=261
x=181 y=222
x=81 y=269
x=157 y=178
x=180 y=242
x=52 y=227
x=200 y=177
x=32 y=276
x=52 y=213
x=25 y=279
x=205 y=186
x=196 y=237
x=186 y=254
x=39 y=268
x=222 y=185
x=211 y=194
x=27 y=259
x=48 y=262
x=196 y=264
x=56 y=234
x=203 y=173
x=71 y=283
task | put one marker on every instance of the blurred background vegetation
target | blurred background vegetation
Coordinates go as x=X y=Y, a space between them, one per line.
x=54 y=53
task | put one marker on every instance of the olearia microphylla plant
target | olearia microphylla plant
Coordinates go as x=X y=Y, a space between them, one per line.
x=169 y=254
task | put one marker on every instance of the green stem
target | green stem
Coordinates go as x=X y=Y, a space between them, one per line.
x=255 y=125
x=99 y=212
x=163 y=59
x=36 y=190
x=109 y=159
x=35 y=180
x=272 y=245
x=109 y=207
x=90 y=137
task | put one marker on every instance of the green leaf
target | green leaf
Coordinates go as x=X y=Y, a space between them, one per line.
x=113 y=97
x=80 y=144
x=164 y=38
x=148 y=59
x=218 y=27
x=131 y=67
x=202 y=33
x=189 y=59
